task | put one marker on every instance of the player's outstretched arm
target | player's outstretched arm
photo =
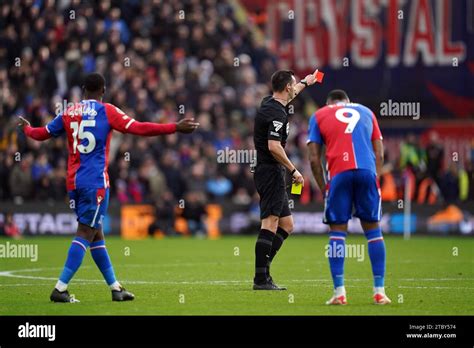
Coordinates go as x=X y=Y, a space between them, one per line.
x=36 y=133
x=123 y=123
x=314 y=151
x=186 y=126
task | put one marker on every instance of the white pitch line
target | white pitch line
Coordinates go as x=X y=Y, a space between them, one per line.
x=398 y=279
x=223 y=282
x=435 y=287
x=10 y=274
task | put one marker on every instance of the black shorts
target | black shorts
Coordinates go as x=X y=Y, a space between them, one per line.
x=271 y=186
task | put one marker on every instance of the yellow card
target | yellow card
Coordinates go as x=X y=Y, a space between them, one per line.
x=296 y=189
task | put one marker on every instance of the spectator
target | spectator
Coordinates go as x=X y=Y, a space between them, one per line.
x=219 y=186
x=241 y=197
x=450 y=185
x=411 y=154
x=194 y=212
x=435 y=156
x=10 y=228
x=41 y=168
x=6 y=164
x=21 y=181
x=164 y=215
x=470 y=177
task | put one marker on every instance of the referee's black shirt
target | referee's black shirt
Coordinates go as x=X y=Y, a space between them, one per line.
x=271 y=123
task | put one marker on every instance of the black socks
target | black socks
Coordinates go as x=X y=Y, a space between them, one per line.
x=267 y=246
x=280 y=237
x=263 y=249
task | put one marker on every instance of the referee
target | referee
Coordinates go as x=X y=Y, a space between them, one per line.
x=270 y=133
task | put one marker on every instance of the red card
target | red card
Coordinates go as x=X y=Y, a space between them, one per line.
x=319 y=76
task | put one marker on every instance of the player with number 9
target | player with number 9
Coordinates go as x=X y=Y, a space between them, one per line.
x=354 y=155
x=88 y=126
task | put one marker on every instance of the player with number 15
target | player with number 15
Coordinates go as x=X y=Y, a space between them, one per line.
x=88 y=126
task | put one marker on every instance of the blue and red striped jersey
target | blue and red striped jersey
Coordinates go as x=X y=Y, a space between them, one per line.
x=88 y=126
x=347 y=131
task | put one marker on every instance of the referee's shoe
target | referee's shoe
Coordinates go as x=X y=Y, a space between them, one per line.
x=267 y=285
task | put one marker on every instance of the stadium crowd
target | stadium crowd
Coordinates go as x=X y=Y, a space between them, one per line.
x=162 y=61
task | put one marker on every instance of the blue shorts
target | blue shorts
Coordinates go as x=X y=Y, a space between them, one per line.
x=358 y=189
x=90 y=205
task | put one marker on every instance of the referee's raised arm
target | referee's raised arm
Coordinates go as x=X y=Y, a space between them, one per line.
x=270 y=135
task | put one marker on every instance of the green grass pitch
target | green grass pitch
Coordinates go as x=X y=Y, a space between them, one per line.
x=176 y=276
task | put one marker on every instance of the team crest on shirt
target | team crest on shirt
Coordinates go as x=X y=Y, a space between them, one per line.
x=100 y=195
x=277 y=125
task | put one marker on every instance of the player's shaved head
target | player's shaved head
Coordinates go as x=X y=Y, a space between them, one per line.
x=94 y=83
x=337 y=95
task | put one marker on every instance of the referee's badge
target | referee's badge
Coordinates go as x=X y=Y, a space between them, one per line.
x=277 y=125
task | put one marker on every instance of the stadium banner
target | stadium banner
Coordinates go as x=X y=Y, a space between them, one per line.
x=38 y=219
x=424 y=219
x=132 y=221
x=411 y=51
